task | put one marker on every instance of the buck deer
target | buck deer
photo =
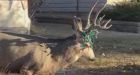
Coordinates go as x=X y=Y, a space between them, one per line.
x=36 y=57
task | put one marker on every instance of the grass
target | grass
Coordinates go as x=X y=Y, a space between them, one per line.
x=122 y=45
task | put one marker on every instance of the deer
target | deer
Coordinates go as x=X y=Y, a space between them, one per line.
x=33 y=55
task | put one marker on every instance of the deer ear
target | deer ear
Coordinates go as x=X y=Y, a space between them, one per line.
x=77 y=27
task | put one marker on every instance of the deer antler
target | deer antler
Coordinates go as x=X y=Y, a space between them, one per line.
x=97 y=22
x=89 y=16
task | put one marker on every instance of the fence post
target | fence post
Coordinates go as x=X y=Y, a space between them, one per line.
x=77 y=8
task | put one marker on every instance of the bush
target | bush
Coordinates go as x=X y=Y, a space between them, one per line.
x=126 y=11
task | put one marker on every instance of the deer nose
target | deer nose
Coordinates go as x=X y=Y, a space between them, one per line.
x=92 y=59
x=88 y=45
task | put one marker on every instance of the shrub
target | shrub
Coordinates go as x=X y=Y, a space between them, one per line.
x=126 y=11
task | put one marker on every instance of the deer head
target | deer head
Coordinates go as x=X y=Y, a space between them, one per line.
x=85 y=36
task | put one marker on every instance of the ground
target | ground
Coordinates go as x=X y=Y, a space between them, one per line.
x=117 y=53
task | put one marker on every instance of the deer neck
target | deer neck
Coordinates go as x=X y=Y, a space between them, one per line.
x=66 y=52
x=70 y=56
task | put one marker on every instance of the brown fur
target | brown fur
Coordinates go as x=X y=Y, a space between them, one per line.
x=33 y=58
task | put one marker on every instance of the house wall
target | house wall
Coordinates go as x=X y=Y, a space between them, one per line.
x=14 y=16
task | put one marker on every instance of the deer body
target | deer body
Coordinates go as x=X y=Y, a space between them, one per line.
x=16 y=52
x=34 y=57
x=23 y=55
x=65 y=57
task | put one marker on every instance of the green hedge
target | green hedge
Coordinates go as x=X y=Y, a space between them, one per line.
x=126 y=11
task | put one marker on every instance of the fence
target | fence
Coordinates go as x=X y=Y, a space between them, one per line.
x=69 y=5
